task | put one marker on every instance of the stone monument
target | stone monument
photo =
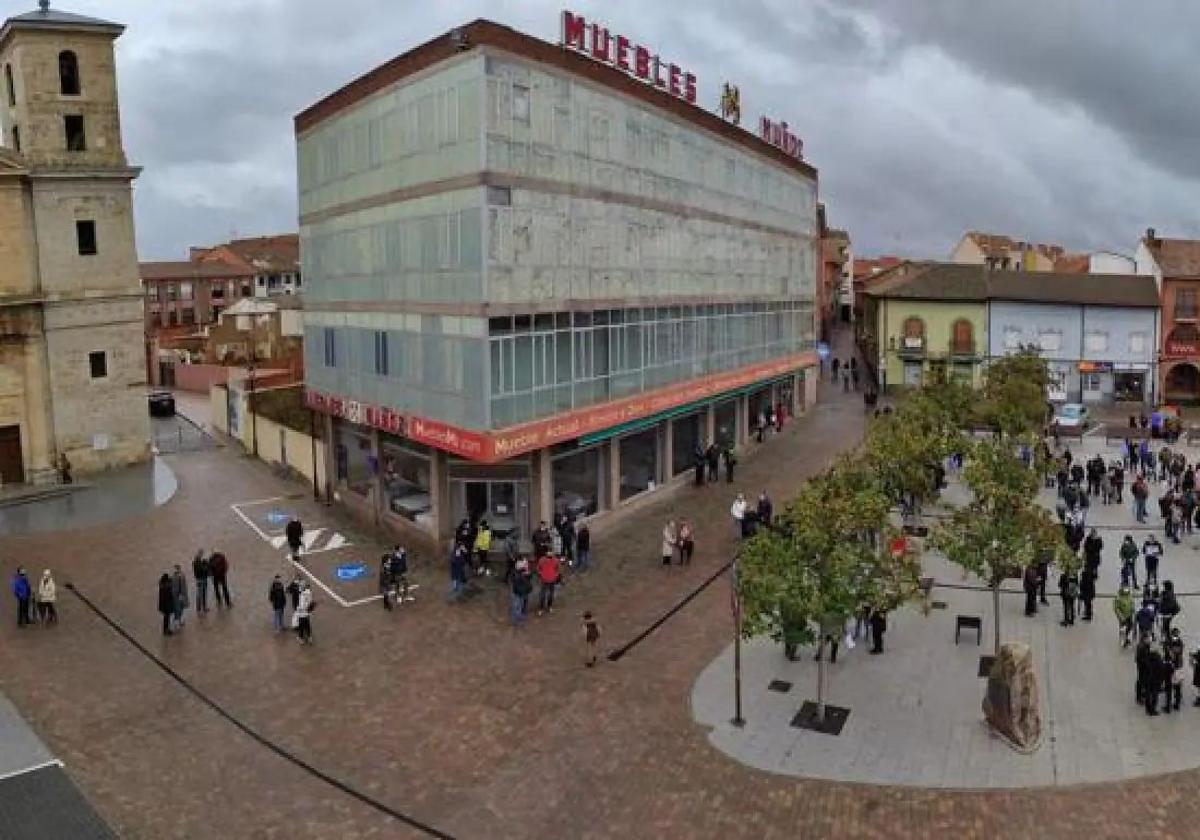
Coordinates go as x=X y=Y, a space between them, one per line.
x=1012 y=706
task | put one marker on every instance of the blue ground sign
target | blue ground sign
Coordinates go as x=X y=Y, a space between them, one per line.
x=351 y=571
x=278 y=517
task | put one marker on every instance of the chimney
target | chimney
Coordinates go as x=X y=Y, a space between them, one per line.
x=1150 y=238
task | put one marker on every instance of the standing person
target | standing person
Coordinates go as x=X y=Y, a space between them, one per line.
x=1155 y=667
x=583 y=547
x=483 y=548
x=591 y=636
x=687 y=543
x=713 y=456
x=566 y=534
x=1123 y=609
x=1151 y=552
x=23 y=592
x=1068 y=590
x=765 y=508
x=1141 y=661
x=512 y=553
x=277 y=597
x=1168 y=608
x=201 y=570
x=738 y=512
x=522 y=585
x=386 y=585
x=1118 y=482
x=303 y=615
x=669 y=540
x=458 y=569
x=878 y=628
x=1173 y=671
x=1029 y=580
x=294 y=531
x=398 y=567
x=833 y=366
x=220 y=578
x=1043 y=571
x=64 y=469
x=1087 y=591
x=760 y=427
x=1129 y=556
x=698 y=464
x=179 y=588
x=1144 y=618
x=730 y=463
x=166 y=602
x=293 y=591
x=1140 y=492
x=1093 y=546
x=831 y=626
x=549 y=572
x=47 y=595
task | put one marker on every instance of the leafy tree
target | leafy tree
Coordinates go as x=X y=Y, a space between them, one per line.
x=1014 y=392
x=1002 y=529
x=825 y=556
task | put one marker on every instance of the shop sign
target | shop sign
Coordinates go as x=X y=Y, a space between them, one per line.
x=1095 y=367
x=449 y=438
x=777 y=134
x=595 y=41
x=1135 y=367
x=365 y=414
x=1183 y=348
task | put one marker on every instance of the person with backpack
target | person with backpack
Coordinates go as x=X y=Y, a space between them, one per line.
x=522 y=585
x=220 y=578
x=549 y=571
x=201 y=570
x=1129 y=556
x=1068 y=591
x=277 y=597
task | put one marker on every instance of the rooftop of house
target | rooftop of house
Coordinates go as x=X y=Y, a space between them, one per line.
x=182 y=270
x=964 y=282
x=1073 y=264
x=1175 y=257
x=261 y=253
x=999 y=245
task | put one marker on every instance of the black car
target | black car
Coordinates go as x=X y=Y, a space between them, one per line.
x=162 y=404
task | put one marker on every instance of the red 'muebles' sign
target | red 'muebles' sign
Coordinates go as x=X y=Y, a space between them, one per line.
x=594 y=40
x=777 y=134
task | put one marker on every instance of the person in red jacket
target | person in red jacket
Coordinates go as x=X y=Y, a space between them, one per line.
x=549 y=572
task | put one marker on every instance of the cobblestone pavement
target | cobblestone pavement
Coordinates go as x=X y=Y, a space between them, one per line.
x=442 y=711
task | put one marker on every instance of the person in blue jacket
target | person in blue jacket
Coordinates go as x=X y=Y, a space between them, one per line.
x=23 y=592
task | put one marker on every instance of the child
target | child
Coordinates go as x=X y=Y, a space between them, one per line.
x=591 y=635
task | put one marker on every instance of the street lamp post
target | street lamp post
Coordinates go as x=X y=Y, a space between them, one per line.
x=735 y=600
x=253 y=411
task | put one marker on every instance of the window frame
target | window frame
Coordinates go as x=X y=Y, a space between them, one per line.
x=68 y=59
x=85 y=238
x=68 y=121
x=100 y=356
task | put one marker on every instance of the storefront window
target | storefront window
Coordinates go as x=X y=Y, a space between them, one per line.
x=406 y=481
x=639 y=463
x=579 y=481
x=354 y=458
x=1129 y=386
x=726 y=418
x=685 y=436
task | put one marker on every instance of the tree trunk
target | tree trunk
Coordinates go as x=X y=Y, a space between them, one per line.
x=996 y=613
x=821 y=679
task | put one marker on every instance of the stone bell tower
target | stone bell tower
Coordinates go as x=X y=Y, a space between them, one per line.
x=72 y=301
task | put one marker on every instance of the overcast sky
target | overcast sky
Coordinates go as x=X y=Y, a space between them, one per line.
x=1059 y=122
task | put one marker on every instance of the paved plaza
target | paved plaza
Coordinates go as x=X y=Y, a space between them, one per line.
x=447 y=715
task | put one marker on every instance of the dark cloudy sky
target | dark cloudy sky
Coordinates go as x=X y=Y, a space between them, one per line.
x=1066 y=121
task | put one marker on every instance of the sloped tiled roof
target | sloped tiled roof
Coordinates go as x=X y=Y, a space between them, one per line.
x=959 y=282
x=54 y=19
x=182 y=270
x=1176 y=257
x=262 y=253
x=999 y=245
x=1073 y=264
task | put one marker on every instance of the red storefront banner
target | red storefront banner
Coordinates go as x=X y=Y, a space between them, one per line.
x=1182 y=348
x=491 y=447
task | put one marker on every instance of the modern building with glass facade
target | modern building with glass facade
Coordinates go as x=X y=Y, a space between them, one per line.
x=534 y=283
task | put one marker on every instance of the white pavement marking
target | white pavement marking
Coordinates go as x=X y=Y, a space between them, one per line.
x=54 y=762
x=237 y=508
x=310 y=537
x=371 y=598
x=278 y=542
x=321 y=584
x=335 y=542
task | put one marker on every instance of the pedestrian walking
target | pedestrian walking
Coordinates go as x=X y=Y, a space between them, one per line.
x=303 y=615
x=583 y=547
x=180 y=591
x=23 y=592
x=549 y=572
x=669 y=541
x=591 y=637
x=687 y=543
x=47 y=595
x=738 y=513
x=1123 y=609
x=220 y=578
x=522 y=585
x=831 y=626
x=166 y=602
x=201 y=571
x=277 y=598
x=878 y=628
x=1068 y=591
x=1140 y=492
x=294 y=531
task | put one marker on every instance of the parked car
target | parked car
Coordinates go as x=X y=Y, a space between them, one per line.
x=1071 y=415
x=162 y=404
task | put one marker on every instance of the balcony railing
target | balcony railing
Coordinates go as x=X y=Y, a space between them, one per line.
x=962 y=348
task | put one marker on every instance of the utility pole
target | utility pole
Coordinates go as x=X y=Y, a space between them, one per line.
x=252 y=407
x=735 y=600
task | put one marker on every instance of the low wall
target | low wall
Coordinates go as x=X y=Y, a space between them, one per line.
x=277 y=444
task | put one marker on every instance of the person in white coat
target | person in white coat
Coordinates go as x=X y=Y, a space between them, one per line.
x=47 y=595
x=303 y=615
x=738 y=511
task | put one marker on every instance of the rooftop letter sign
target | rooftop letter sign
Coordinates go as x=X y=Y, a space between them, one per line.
x=777 y=134
x=595 y=40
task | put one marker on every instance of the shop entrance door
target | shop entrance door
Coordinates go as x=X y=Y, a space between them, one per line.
x=504 y=504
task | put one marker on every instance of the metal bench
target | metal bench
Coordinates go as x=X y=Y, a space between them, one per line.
x=969 y=622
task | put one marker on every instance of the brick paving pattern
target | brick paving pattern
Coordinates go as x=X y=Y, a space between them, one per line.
x=443 y=711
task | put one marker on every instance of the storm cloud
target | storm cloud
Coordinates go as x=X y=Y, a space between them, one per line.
x=1072 y=122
